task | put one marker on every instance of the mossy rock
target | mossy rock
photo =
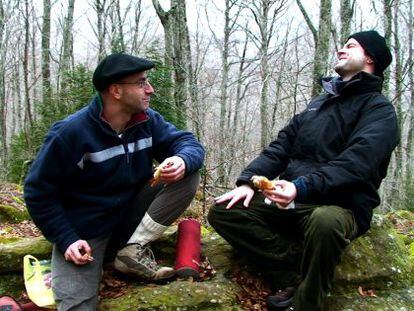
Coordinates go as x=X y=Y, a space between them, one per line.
x=378 y=259
x=12 y=253
x=387 y=300
x=403 y=221
x=11 y=214
x=178 y=295
x=11 y=284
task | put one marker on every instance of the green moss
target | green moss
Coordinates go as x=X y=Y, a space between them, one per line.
x=379 y=259
x=11 y=254
x=178 y=295
x=6 y=239
x=12 y=214
x=386 y=300
x=411 y=249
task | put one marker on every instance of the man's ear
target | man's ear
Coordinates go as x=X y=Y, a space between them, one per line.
x=115 y=90
x=369 y=60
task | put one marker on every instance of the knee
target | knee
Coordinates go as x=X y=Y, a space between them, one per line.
x=216 y=215
x=192 y=182
x=324 y=222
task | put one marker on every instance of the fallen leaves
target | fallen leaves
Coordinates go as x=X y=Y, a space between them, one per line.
x=24 y=229
x=207 y=271
x=254 y=294
x=366 y=292
x=111 y=286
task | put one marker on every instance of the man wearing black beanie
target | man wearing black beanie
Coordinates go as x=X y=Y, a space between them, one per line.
x=329 y=162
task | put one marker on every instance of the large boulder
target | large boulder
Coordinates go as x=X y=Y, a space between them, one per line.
x=12 y=207
x=12 y=253
x=376 y=273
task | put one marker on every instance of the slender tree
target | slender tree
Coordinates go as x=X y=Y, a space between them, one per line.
x=321 y=38
x=178 y=52
x=347 y=11
x=265 y=14
x=387 y=18
x=45 y=34
x=410 y=70
x=398 y=82
x=67 y=43
x=3 y=142
x=28 y=109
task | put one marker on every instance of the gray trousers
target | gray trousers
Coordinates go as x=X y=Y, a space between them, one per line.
x=76 y=287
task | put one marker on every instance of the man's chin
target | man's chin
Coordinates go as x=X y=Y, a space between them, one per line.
x=339 y=70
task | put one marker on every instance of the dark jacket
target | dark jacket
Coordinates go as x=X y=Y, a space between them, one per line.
x=337 y=150
x=85 y=174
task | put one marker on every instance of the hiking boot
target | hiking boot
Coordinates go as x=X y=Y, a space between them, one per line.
x=282 y=299
x=139 y=261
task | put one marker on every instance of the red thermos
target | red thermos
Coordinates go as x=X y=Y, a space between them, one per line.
x=187 y=262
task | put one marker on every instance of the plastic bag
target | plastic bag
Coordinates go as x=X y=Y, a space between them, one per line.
x=36 y=274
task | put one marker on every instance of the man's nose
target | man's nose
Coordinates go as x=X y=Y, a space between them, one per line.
x=149 y=89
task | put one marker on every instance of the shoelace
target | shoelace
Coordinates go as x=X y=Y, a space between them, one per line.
x=147 y=257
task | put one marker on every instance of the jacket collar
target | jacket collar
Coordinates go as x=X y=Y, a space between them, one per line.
x=96 y=112
x=362 y=82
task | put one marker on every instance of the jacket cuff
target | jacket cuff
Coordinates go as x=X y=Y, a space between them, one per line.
x=63 y=244
x=244 y=181
x=301 y=188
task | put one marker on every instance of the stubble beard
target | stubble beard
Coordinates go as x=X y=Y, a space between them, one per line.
x=350 y=65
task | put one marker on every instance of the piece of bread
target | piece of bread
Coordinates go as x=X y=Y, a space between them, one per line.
x=262 y=183
x=156 y=177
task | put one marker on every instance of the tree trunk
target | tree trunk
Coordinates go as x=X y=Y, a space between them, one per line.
x=177 y=52
x=99 y=7
x=387 y=10
x=322 y=47
x=410 y=61
x=46 y=85
x=347 y=11
x=67 y=44
x=28 y=109
x=321 y=39
x=398 y=91
x=221 y=170
x=3 y=142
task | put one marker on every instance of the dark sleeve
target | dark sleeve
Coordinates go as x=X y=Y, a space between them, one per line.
x=42 y=192
x=273 y=160
x=368 y=150
x=168 y=141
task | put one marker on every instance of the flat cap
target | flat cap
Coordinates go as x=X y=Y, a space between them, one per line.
x=117 y=66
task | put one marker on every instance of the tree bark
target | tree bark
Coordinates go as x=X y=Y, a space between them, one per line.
x=321 y=39
x=398 y=89
x=387 y=11
x=67 y=43
x=28 y=109
x=410 y=61
x=99 y=7
x=178 y=53
x=347 y=11
x=46 y=85
x=221 y=170
x=3 y=142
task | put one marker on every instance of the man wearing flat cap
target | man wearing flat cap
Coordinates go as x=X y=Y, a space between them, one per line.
x=329 y=160
x=88 y=189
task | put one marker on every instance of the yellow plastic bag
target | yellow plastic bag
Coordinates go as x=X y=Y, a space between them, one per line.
x=34 y=272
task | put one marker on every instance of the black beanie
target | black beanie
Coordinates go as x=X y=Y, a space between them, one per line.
x=117 y=66
x=375 y=46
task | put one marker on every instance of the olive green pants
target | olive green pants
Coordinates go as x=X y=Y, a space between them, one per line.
x=298 y=246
